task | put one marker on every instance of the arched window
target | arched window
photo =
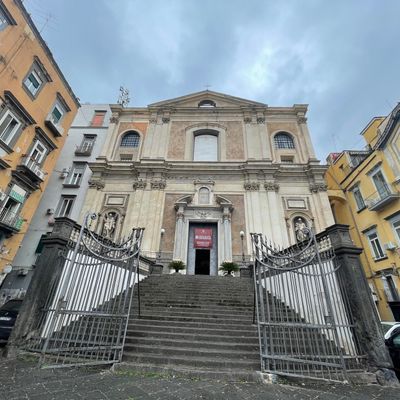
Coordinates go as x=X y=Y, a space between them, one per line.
x=207 y=104
x=130 y=139
x=283 y=141
x=205 y=147
x=204 y=196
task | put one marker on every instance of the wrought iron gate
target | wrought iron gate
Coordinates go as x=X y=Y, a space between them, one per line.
x=86 y=314
x=304 y=320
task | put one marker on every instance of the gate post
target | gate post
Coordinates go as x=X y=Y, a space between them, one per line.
x=353 y=282
x=48 y=270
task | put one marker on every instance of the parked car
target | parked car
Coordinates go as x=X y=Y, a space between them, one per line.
x=8 y=316
x=392 y=341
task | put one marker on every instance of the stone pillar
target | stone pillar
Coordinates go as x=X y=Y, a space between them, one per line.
x=47 y=272
x=179 y=234
x=352 y=281
x=227 y=235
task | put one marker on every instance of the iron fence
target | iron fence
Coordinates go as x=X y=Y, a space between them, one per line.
x=85 y=317
x=304 y=319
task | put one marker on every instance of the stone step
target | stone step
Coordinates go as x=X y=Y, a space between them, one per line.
x=188 y=318
x=195 y=313
x=157 y=342
x=194 y=362
x=196 y=336
x=188 y=372
x=194 y=306
x=179 y=327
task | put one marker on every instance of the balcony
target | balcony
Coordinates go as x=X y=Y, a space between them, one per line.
x=32 y=168
x=10 y=221
x=84 y=150
x=53 y=125
x=382 y=197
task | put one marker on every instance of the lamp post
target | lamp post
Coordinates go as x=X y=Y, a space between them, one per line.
x=162 y=232
x=241 y=233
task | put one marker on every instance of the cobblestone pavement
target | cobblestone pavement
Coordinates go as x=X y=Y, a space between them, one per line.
x=22 y=380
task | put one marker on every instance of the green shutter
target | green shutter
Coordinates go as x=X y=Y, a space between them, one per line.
x=18 y=223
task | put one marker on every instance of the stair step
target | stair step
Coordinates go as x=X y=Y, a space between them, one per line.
x=228 y=345
x=213 y=363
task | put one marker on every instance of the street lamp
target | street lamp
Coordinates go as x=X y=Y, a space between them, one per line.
x=162 y=232
x=241 y=233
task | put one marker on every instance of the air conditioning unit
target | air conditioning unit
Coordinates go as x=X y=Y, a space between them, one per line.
x=390 y=246
x=40 y=173
x=64 y=173
x=2 y=196
x=23 y=272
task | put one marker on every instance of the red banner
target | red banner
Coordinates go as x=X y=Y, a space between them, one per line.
x=202 y=238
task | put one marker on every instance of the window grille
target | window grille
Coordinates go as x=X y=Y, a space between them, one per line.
x=283 y=141
x=131 y=139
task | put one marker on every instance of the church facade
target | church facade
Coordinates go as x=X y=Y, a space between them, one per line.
x=202 y=171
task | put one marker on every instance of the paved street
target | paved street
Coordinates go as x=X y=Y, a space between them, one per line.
x=22 y=380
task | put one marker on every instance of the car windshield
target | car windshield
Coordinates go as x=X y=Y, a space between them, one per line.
x=13 y=305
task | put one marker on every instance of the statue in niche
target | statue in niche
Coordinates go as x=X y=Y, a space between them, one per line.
x=301 y=230
x=109 y=224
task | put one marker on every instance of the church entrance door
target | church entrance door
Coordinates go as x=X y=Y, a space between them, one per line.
x=202 y=263
x=202 y=249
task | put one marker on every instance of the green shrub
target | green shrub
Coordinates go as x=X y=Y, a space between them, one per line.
x=177 y=265
x=228 y=267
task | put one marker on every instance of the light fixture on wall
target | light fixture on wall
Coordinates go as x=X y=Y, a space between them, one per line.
x=241 y=233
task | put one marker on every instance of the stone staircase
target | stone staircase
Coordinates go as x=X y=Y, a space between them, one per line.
x=195 y=325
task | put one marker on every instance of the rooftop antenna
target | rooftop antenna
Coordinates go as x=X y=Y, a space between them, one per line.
x=207 y=86
x=123 y=97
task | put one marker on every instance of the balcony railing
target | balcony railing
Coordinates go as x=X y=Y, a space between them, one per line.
x=382 y=197
x=11 y=219
x=85 y=150
x=33 y=167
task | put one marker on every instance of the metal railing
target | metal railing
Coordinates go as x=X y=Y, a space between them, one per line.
x=84 y=150
x=11 y=219
x=304 y=318
x=380 y=195
x=33 y=166
x=85 y=318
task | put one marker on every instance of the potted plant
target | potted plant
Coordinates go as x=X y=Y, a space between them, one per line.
x=228 y=267
x=177 y=265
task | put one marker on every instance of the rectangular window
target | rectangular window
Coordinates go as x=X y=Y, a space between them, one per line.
x=9 y=125
x=75 y=176
x=3 y=20
x=396 y=227
x=57 y=114
x=65 y=206
x=358 y=198
x=33 y=82
x=98 y=118
x=287 y=159
x=38 y=152
x=376 y=247
x=380 y=184
x=87 y=144
x=126 y=157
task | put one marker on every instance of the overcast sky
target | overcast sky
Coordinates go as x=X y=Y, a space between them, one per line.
x=341 y=57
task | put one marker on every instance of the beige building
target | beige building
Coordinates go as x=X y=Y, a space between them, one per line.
x=197 y=170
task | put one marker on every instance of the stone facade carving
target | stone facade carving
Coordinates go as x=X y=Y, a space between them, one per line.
x=318 y=187
x=139 y=184
x=96 y=183
x=271 y=186
x=203 y=214
x=301 y=120
x=247 y=120
x=165 y=120
x=260 y=120
x=114 y=118
x=159 y=184
x=251 y=186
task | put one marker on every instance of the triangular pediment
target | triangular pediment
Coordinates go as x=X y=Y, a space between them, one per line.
x=192 y=100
